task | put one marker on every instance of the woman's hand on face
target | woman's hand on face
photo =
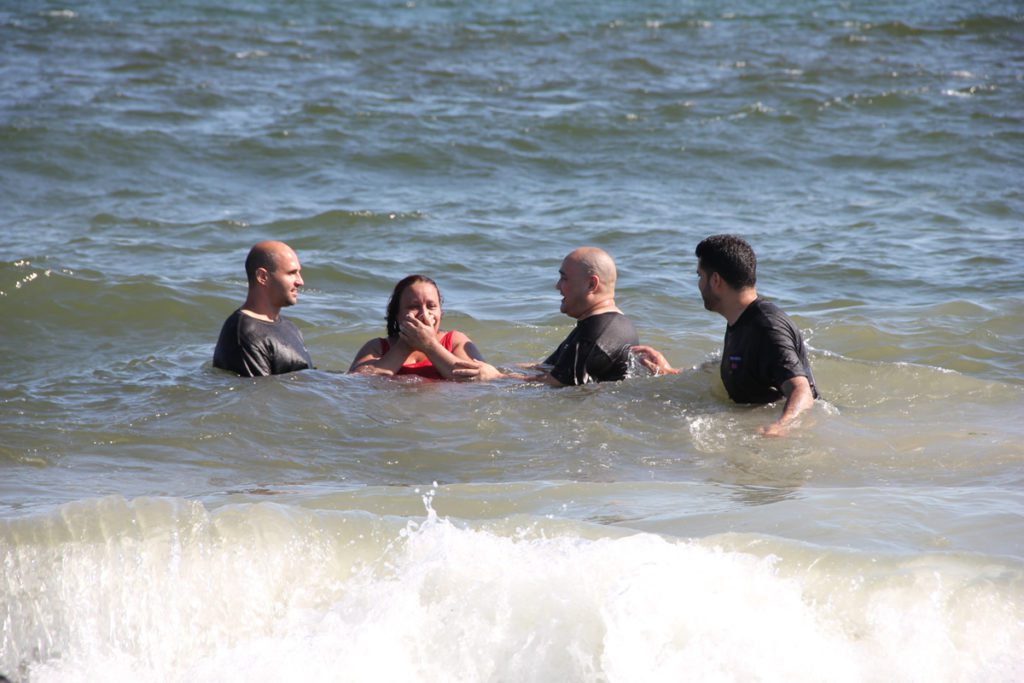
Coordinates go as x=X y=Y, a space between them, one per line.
x=416 y=333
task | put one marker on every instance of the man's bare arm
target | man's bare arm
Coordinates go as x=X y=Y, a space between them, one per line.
x=798 y=399
x=652 y=359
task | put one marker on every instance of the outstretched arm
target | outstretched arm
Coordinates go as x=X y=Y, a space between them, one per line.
x=477 y=370
x=798 y=399
x=473 y=368
x=469 y=364
x=652 y=359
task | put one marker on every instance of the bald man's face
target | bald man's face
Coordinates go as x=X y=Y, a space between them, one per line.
x=574 y=286
x=284 y=281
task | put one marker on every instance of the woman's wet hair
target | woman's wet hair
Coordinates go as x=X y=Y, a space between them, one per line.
x=396 y=298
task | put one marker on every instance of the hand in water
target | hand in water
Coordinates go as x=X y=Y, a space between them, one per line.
x=475 y=371
x=773 y=430
x=652 y=359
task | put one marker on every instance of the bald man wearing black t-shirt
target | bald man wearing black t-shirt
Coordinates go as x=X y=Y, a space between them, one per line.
x=256 y=339
x=763 y=357
x=597 y=349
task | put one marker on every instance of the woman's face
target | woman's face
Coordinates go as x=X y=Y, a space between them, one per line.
x=421 y=300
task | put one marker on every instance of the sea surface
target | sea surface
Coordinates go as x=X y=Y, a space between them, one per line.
x=164 y=521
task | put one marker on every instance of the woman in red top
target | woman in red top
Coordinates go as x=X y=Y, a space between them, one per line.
x=415 y=344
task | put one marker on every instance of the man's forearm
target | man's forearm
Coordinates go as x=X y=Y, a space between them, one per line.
x=798 y=399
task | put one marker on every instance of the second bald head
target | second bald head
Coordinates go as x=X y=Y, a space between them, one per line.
x=596 y=261
x=586 y=282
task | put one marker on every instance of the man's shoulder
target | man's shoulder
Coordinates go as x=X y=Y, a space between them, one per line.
x=611 y=329
x=619 y=323
x=250 y=324
x=230 y=329
x=229 y=351
x=233 y=318
x=770 y=325
x=253 y=319
x=606 y=321
x=247 y=325
x=768 y=314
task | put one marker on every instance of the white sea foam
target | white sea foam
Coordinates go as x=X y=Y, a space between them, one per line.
x=165 y=591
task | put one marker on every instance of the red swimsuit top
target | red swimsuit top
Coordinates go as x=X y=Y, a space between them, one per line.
x=424 y=368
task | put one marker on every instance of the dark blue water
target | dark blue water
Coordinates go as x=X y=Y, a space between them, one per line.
x=162 y=521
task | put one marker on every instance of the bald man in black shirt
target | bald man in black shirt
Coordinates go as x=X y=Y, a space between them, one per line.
x=256 y=339
x=597 y=349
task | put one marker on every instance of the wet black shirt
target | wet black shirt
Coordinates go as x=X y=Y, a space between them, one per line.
x=597 y=350
x=762 y=350
x=253 y=347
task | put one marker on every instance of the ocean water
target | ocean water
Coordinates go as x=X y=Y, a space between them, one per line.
x=164 y=521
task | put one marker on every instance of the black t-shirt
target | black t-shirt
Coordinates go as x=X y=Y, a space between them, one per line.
x=597 y=350
x=253 y=347
x=762 y=350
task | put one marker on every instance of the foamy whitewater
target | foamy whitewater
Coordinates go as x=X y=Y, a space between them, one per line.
x=268 y=591
x=163 y=521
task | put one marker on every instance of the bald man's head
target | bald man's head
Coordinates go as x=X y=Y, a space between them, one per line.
x=587 y=283
x=595 y=261
x=269 y=254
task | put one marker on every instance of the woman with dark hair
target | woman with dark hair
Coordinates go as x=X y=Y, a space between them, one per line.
x=415 y=344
